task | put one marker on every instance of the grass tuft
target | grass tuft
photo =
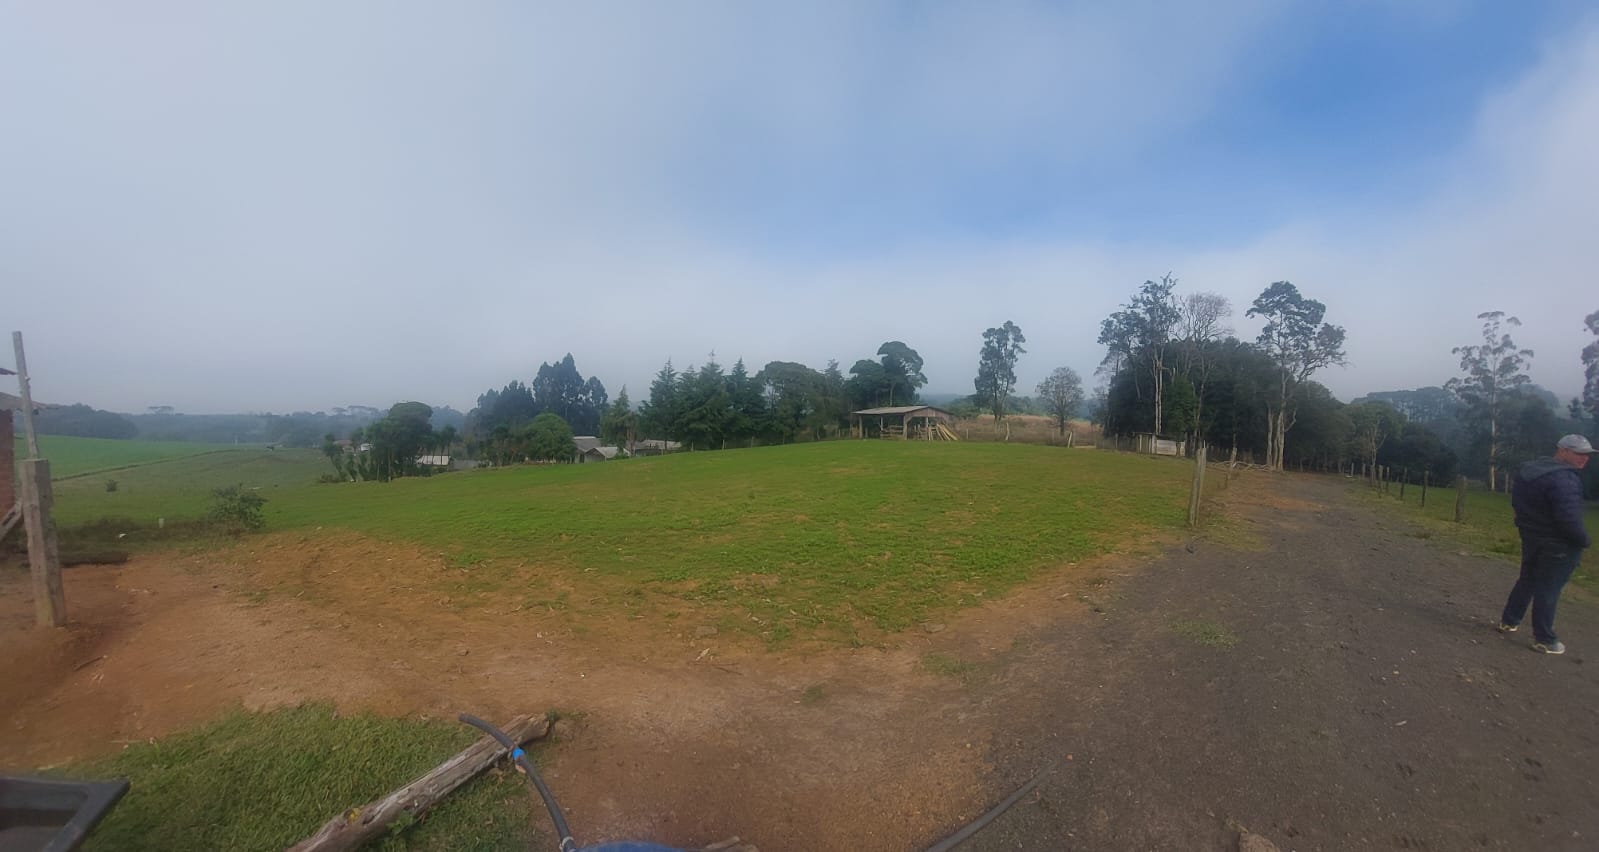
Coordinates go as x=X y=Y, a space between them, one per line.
x=252 y=781
x=1207 y=633
x=945 y=665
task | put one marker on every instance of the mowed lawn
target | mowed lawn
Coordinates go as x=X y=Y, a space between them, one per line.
x=79 y=456
x=818 y=539
x=810 y=538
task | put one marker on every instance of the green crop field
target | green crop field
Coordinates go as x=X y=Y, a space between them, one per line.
x=180 y=487
x=78 y=456
x=809 y=539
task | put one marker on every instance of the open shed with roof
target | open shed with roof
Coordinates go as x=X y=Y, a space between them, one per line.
x=917 y=422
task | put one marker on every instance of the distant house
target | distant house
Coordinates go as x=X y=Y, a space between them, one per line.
x=585 y=443
x=433 y=461
x=654 y=447
x=595 y=454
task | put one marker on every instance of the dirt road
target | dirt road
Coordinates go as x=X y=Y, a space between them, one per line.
x=1366 y=704
x=1334 y=684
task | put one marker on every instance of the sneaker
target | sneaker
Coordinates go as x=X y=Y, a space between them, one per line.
x=1555 y=647
x=1507 y=628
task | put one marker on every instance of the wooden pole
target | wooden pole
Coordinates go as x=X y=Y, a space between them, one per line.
x=356 y=826
x=1404 y=479
x=1460 y=499
x=1198 y=488
x=27 y=396
x=44 y=556
x=1425 y=475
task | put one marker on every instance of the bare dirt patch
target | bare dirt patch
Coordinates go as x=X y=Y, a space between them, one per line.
x=676 y=733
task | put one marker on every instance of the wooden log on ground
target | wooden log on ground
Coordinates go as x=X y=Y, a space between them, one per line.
x=732 y=844
x=356 y=826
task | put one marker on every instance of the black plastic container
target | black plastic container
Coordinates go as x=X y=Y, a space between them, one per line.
x=52 y=814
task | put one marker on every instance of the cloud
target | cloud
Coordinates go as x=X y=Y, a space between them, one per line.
x=306 y=205
x=1510 y=229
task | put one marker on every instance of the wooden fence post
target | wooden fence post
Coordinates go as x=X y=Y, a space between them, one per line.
x=1404 y=479
x=1460 y=499
x=1199 y=487
x=44 y=557
x=1425 y=475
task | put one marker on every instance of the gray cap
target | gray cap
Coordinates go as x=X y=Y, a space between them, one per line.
x=1576 y=444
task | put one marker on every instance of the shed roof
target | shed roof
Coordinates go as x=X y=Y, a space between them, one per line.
x=12 y=402
x=903 y=409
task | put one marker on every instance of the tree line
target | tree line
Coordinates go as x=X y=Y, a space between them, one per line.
x=1174 y=368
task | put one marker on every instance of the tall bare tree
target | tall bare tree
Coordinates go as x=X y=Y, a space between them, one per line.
x=1203 y=316
x=1299 y=344
x=1201 y=323
x=1143 y=329
x=1061 y=393
x=1494 y=370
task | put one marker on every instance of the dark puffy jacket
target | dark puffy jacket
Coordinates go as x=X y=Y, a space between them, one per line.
x=1547 y=498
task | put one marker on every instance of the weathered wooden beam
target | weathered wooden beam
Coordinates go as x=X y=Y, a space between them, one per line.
x=356 y=826
x=44 y=558
x=26 y=389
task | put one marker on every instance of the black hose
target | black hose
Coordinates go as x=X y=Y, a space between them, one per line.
x=977 y=825
x=517 y=754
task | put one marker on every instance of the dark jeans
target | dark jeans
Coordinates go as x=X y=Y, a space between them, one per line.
x=1546 y=565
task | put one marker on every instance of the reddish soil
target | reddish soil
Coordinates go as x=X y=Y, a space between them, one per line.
x=681 y=738
x=1365 y=704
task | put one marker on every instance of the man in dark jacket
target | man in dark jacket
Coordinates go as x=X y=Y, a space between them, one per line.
x=1547 y=498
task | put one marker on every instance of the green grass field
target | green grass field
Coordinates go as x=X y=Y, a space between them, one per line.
x=1489 y=526
x=253 y=781
x=806 y=538
x=808 y=542
x=79 y=456
x=180 y=488
x=813 y=539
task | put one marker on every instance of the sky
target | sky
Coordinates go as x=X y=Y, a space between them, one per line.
x=295 y=205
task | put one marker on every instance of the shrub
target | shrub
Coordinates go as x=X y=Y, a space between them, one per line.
x=110 y=485
x=237 y=508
